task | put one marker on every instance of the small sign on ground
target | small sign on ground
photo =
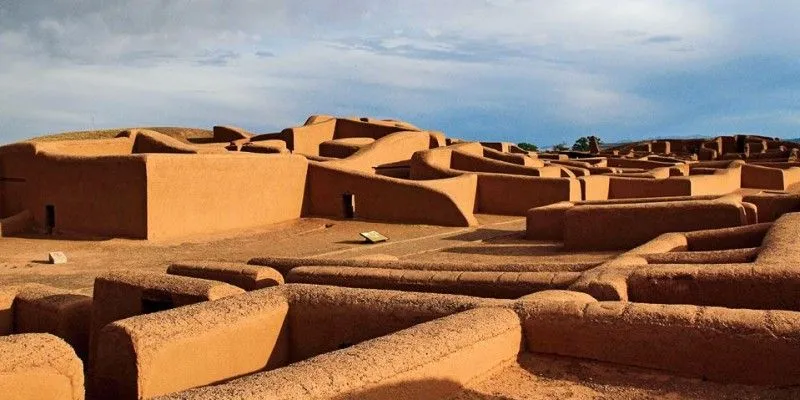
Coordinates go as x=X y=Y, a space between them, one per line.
x=374 y=237
x=56 y=257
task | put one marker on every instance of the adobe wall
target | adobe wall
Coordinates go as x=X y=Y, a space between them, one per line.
x=433 y=360
x=328 y=318
x=513 y=158
x=514 y=195
x=736 y=285
x=211 y=193
x=764 y=177
x=286 y=264
x=63 y=313
x=247 y=277
x=467 y=162
x=103 y=196
x=628 y=187
x=398 y=146
x=123 y=294
x=191 y=346
x=713 y=343
x=490 y=284
x=448 y=202
x=39 y=366
x=587 y=227
x=119 y=146
x=210 y=342
x=307 y=138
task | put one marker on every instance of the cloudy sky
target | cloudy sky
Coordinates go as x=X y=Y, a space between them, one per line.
x=540 y=71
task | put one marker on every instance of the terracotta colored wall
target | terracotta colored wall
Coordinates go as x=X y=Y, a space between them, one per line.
x=727 y=238
x=514 y=195
x=98 y=147
x=394 y=147
x=721 y=285
x=624 y=188
x=103 y=196
x=493 y=284
x=757 y=176
x=210 y=342
x=466 y=162
x=286 y=264
x=447 y=202
x=306 y=139
x=328 y=318
x=587 y=227
x=39 y=366
x=63 y=313
x=346 y=128
x=433 y=360
x=772 y=205
x=191 y=346
x=521 y=159
x=211 y=193
x=123 y=294
x=714 y=343
x=633 y=163
x=247 y=277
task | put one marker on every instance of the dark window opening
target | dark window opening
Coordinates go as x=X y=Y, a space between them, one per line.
x=349 y=205
x=49 y=218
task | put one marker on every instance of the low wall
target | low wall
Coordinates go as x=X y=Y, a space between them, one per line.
x=706 y=342
x=501 y=285
x=286 y=264
x=449 y=353
x=39 y=366
x=734 y=285
x=447 y=202
x=514 y=195
x=587 y=227
x=123 y=294
x=398 y=146
x=468 y=162
x=210 y=342
x=63 y=313
x=247 y=277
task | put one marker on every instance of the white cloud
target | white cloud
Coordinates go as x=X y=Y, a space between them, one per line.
x=267 y=64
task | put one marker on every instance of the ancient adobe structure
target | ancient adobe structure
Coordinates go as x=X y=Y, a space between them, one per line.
x=703 y=280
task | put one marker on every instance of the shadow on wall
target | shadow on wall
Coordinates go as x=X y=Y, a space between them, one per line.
x=420 y=390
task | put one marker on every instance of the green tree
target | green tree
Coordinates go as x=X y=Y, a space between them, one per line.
x=561 y=147
x=528 y=146
x=582 y=144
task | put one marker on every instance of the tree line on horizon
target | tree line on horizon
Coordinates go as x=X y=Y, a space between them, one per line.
x=582 y=144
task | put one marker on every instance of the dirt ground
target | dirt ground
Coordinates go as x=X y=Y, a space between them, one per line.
x=497 y=239
x=540 y=377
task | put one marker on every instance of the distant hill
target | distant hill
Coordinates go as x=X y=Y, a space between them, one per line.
x=180 y=133
x=796 y=140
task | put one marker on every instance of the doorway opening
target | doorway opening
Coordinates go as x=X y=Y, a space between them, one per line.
x=349 y=205
x=49 y=218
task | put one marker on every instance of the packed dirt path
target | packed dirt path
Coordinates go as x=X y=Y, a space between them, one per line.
x=496 y=239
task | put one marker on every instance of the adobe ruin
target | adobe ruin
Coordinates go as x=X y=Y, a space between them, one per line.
x=225 y=266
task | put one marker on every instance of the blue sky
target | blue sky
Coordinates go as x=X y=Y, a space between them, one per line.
x=535 y=71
